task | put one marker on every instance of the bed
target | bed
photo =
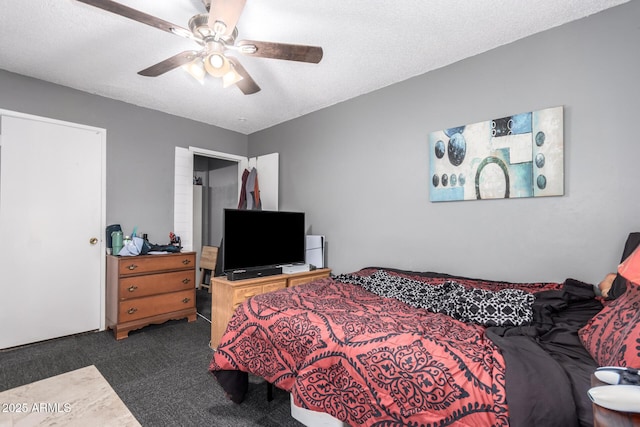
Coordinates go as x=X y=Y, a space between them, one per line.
x=387 y=347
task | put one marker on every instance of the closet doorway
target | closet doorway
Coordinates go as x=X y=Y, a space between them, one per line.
x=184 y=220
x=215 y=189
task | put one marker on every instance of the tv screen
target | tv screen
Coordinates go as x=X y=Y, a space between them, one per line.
x=253 y=239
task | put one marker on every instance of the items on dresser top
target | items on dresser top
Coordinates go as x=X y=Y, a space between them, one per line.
x=149 y=289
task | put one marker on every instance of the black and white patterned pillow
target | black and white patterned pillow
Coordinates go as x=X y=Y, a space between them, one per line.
x=507 y=307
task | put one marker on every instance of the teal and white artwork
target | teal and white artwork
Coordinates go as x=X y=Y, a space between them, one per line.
x=521 y=155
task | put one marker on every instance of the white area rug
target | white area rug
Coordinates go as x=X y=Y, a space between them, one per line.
x=77 y=398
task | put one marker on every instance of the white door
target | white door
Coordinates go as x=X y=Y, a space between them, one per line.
x=183 y=198
x=52 y=177
x=267 y=167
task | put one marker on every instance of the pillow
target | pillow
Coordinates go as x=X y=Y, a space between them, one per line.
x=612 y=336
x=507 y=307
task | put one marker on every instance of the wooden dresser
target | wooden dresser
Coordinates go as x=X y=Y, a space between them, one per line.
x=147 y=289
x=227 y=295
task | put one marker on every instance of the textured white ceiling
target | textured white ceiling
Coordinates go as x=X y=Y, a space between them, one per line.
x=367 y=45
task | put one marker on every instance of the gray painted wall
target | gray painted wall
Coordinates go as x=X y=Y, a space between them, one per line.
x=140 y=147
x=359 y=169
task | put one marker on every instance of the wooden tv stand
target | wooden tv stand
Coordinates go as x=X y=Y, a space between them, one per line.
x=227 y=295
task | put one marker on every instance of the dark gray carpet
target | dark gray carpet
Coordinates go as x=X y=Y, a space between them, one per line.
x=203 y=303
x=160 y=372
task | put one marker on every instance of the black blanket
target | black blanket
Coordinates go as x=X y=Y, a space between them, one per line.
x=547 y=369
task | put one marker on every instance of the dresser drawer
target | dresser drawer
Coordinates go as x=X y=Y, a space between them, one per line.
x=242 y=294
x=152 y=263
x=274 y=286
x=296 y=281
x=153 y=284
x=139 y=308
x=239 y=295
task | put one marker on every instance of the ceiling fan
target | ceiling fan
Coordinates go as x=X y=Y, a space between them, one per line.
x=216 y=33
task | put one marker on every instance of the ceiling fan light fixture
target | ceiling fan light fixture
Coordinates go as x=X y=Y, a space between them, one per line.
x=216 y=60
x=231 y=78
x=217 y=65
x=196 y=69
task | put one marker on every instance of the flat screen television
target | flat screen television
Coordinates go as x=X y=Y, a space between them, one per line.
x=260 y=239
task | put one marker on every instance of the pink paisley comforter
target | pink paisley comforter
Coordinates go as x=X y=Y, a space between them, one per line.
x=369 y=360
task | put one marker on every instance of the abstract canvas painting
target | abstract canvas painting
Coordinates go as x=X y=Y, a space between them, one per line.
x=521 y=155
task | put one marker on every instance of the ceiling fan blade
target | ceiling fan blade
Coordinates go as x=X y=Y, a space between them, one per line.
x=247 y=85
x=170 y=63
x=136 y=15
x=226 y=11
x=289 y=52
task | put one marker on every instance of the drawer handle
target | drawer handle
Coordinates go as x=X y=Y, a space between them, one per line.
x=186 y=300
x=186 y=261
x=132 y=310
x=132 y=288
x=185 y=281
x=132 y=267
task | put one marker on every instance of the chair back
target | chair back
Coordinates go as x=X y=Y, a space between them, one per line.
x=209 y=257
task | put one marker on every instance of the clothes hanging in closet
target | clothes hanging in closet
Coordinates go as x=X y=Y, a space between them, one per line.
x=250 y=191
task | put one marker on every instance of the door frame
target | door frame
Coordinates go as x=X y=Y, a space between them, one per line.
x=103 y=190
